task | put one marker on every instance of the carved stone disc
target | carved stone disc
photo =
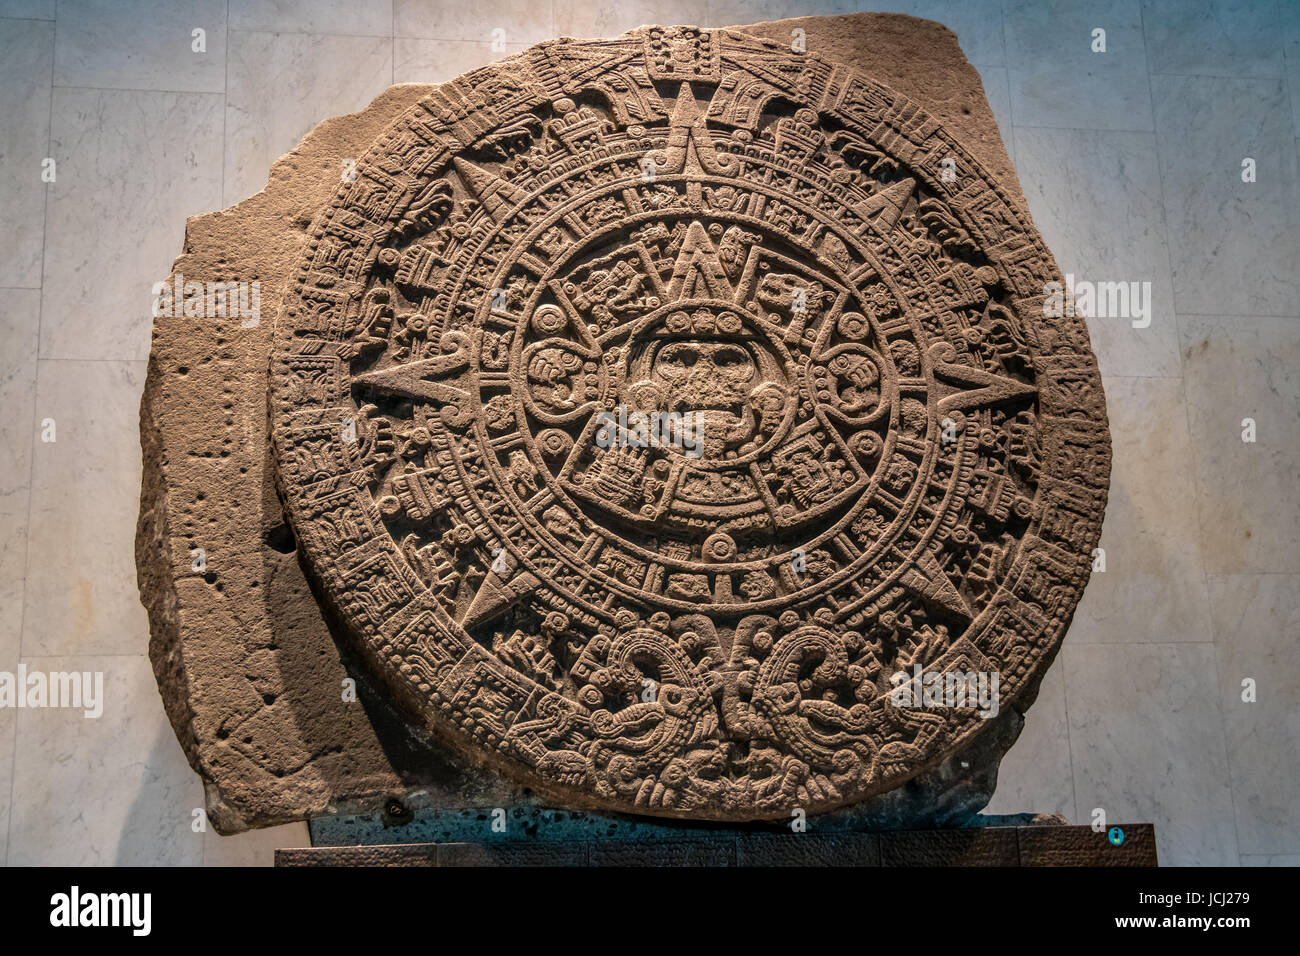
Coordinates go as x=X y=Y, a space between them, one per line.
x=646 y=407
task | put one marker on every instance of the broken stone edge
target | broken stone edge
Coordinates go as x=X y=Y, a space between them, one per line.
x=954 y=796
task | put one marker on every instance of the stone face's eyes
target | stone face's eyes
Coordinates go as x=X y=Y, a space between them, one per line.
x=685 y=356
x=681 y=355
x=730 y=358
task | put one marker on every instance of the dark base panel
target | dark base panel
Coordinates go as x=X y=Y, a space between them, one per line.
x=984 y=846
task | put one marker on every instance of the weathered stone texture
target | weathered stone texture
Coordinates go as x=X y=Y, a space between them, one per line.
x=651 y=632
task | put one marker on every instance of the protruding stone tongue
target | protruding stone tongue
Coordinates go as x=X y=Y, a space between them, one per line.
x=717 y=428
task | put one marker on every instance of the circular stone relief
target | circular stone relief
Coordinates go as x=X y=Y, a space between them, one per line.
x=656 y=413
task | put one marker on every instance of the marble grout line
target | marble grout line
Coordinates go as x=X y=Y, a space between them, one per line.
x=345 y=36
x=1084 y=129
x=1251 y=574
x=1286 y=80
x=1079 y=644
x=1242 y=315
x=31 y=432
x=52 y=657
x=509 y=43
x=1236 y=315
x=1113 y=378
x=1218 y=76
x=1002 y=35
x=138 y=89
x=522 y=44
x=1223 y=720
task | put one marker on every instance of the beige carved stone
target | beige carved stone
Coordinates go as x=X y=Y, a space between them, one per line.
x=642 y=408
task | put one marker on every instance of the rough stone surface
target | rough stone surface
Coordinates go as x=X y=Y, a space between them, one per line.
x=645 y=407
x=991 y=846
x=249 y=673
x=808 y=849
x=543 y=607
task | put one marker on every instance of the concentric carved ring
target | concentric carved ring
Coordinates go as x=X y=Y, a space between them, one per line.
x=649 y=409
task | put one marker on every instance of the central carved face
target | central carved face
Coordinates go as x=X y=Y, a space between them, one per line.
x=698 y=376
x=705 y=383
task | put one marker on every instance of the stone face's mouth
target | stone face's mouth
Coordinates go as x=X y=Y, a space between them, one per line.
x=684 y=407
x=714 y=428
